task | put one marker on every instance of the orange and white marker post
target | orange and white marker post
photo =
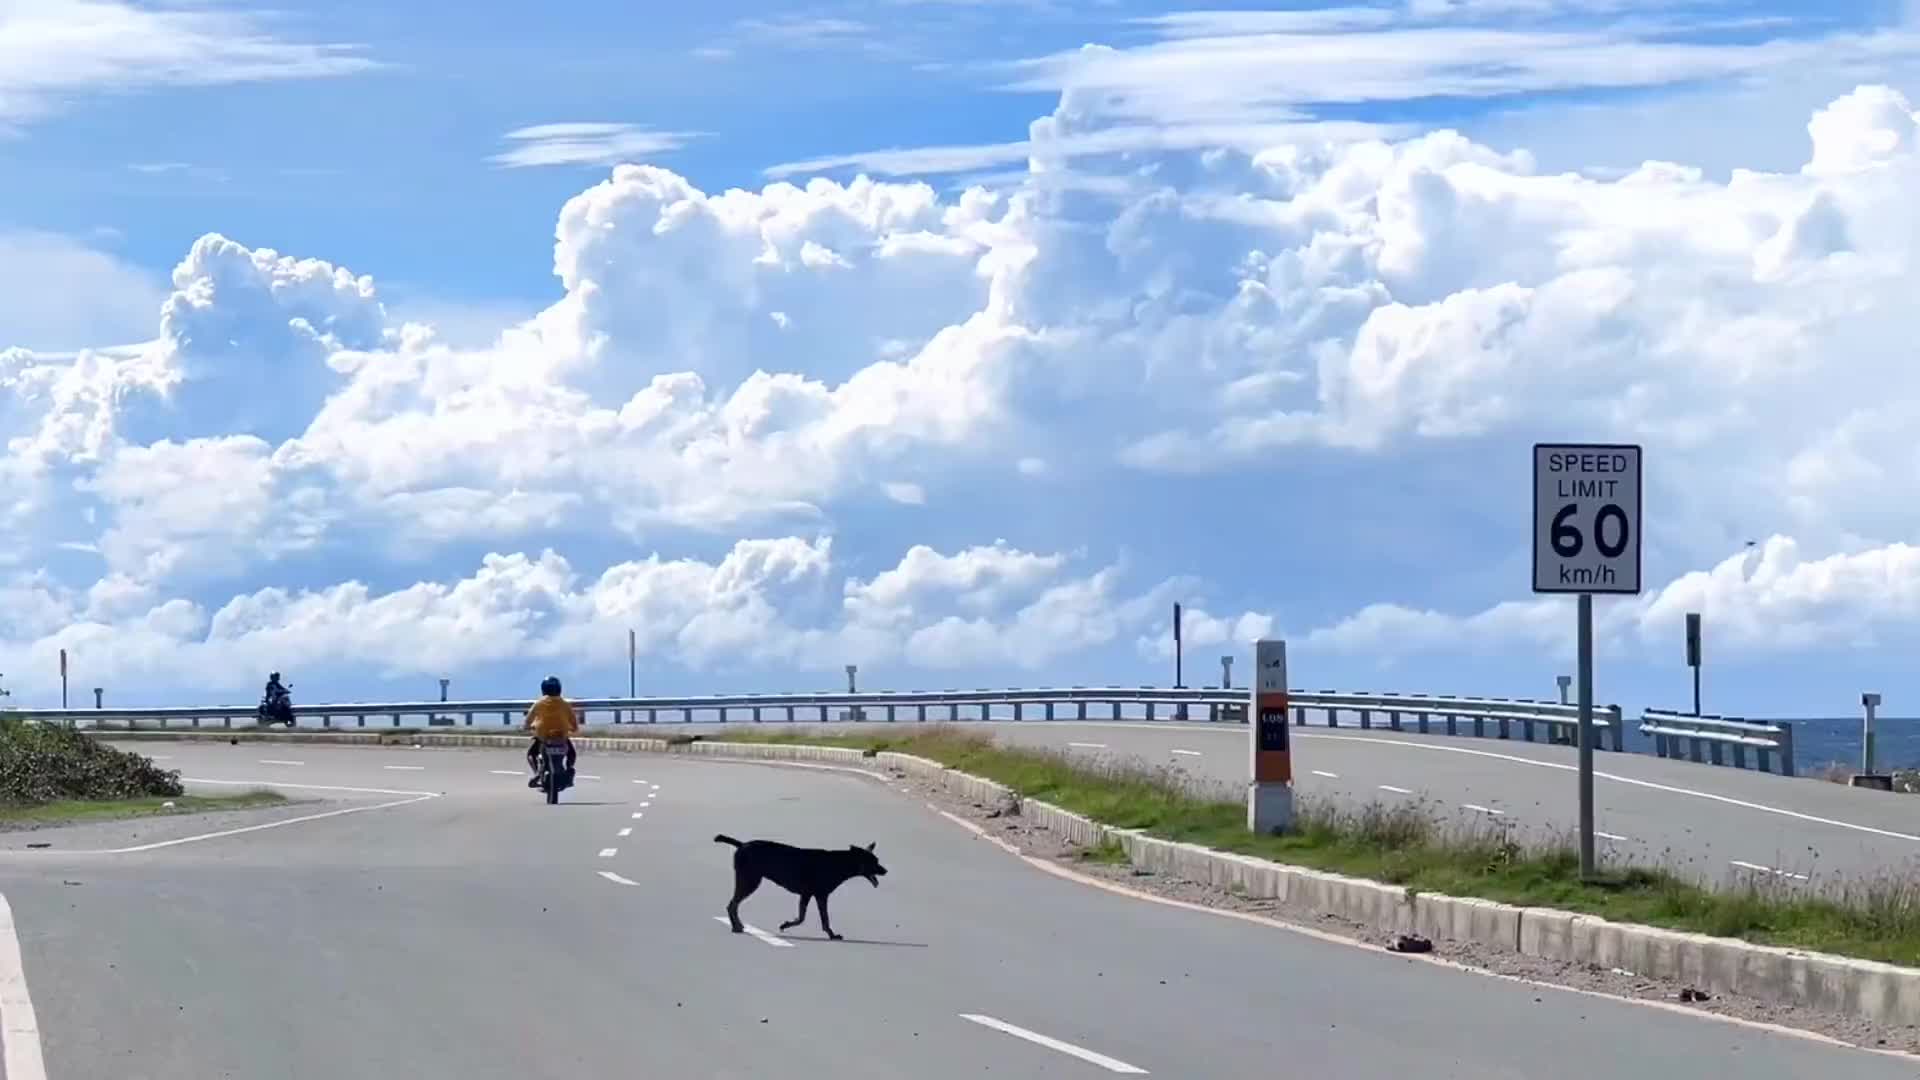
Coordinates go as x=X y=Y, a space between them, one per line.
x=1270 y=795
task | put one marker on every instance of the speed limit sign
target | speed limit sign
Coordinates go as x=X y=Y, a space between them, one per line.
x=1586 y=518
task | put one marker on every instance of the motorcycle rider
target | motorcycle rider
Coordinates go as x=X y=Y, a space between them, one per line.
x=551 y=717
x=277 y=698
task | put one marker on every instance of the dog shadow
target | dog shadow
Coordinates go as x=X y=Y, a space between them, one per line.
x=851 y=940
x=590 y=802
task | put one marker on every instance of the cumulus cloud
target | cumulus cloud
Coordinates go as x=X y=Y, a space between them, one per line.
x=1115 y=353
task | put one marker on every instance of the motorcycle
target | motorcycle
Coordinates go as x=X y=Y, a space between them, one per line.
x=554 y=775
x=276 y=708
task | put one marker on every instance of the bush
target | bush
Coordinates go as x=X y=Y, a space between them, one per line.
x=42 y=763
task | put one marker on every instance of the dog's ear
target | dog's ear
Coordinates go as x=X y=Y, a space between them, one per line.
x=869 y=849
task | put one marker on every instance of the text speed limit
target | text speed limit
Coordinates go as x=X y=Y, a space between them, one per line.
x=1586 y=518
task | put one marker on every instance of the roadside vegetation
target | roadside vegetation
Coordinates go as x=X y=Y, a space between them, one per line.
x=1412 y=844
x=50 y=773
x=1905 y=781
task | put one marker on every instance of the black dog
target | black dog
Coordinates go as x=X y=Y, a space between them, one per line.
x=810 y=873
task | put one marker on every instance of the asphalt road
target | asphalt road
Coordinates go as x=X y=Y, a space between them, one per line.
x=1697 y=818
x=479 y=934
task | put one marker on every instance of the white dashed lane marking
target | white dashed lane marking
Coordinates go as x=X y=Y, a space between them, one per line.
x=616 y=878
x=1186 y=753
x=1089 y=745
x=636 y=815
x=1608 y=836
x=1328 y=775
x=507 y=772
x=757 y=932
x=1483 y=809
x=1395 y=790
x=1768 y=870
x=1081 y=1052
x=628 y=831
x=279 y=761
x=608 y=852
x=406 y=768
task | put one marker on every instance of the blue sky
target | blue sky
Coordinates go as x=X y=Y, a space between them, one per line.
x=1141 y=303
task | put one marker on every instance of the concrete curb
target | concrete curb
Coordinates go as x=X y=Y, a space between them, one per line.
x=1885 y=993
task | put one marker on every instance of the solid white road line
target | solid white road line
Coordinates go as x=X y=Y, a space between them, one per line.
x=507 y=772
x=1484 y=809
x=1395 y=790
x=1186 y=753
x=628 y=831
x=757 y=932
x=406 y=768
x=608 y=852
x=1767 y=870
x=617 y=879
x=1081 y=1052
x=1089 y=745
x=1328 y=775
x=279 y=761
x=21 y=1034
x=1668 y=788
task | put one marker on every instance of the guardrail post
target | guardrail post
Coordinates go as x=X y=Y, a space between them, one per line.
x=1049 y=710
x=756 y=714
x=1617 y=723
x=1083 y=710
x=1693 y=748
x=1299 y=716
x=1152 y=712
x=923 y=711
x=1422 y=718
x=1333 y=717
x=1393 y=719
x=1739 y=756
x=1785 y=741
x=1453 y=724
x=1479 y=726
x=1526 y=728
x=1505 y=728
x=889 y=714
x=469 y=715
x=361 y=719
x=1713 y=753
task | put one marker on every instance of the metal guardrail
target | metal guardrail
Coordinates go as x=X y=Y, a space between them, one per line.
x=1685 y=736
x=1482 y=717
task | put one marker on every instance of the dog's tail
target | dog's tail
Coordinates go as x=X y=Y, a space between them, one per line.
x=723 y=838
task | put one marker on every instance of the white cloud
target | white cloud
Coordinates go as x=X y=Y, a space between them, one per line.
x=586 y=143
x=1190 y=346
x=54 y=50
x=58 y=293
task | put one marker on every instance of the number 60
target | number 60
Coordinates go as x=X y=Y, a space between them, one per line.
x=1566 y=538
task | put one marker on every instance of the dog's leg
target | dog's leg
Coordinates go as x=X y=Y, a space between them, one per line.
x=800 y=918
x=744 y=882
x=826 y=923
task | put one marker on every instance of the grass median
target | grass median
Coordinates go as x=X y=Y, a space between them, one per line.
x=81 y=811
x=1410 y=844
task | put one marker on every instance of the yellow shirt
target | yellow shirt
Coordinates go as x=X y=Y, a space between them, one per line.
x=552 y=718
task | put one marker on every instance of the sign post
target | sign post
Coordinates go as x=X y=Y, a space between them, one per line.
x=1586 y=540
x=1270 y=795
x=63 y=678
x=1693 y=655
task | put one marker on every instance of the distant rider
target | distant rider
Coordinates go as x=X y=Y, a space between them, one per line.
x=275 y=689
x=278 y=700
x=550 y=718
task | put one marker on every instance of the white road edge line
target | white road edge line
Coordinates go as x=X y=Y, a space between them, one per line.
x=1328 y=775
x=757 y=932
x=1089 y=745
x=1187 y=753
x=279 y=761
x=507 y=772
x=628 y=831
x=22 y=1060
x=1768 y=870
x=608 y=852
x=417 y=797
x=617 y=879
x=1668 y=788
x=1483 y=809
x=1395 y=790
x=1081 y=1052
x=405 y=768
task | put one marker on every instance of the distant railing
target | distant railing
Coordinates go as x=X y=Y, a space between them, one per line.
x=1685 y=736
x=1427 y=714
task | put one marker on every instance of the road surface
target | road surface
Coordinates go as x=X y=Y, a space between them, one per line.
x=443 y=923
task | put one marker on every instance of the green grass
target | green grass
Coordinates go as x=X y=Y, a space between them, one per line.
x=76 y=811
x=1410 y=844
